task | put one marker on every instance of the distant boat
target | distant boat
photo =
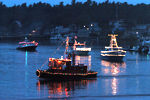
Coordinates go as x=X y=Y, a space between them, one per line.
x=113 y=52
x=27 y=45
x=144 y=47
x=134 y=48
x=80 y=48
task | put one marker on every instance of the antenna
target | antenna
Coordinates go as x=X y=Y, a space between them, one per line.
x=113 y=41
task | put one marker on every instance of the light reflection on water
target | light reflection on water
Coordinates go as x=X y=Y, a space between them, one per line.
x=18 y=78
x=26 y=58
x=114 y=68
x=57 y=89
x=114 y=86
x=83 y=60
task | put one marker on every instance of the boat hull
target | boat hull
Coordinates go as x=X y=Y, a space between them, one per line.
x=65 y=76
x=112 y=58
x=28 y=48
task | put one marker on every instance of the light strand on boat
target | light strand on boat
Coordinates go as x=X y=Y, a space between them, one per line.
x=111 y=55
x=83 y=49
x=113 y=51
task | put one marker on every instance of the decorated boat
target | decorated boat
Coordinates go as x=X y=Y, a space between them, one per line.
x=113 y=52
x=65 y=69
x=27 y=45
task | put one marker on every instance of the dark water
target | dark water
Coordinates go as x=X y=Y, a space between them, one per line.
x=127 y=80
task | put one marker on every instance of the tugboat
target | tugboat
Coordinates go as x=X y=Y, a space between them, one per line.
x=27 y=45
x=65 y=69
x=113 y=52
x=80 y=49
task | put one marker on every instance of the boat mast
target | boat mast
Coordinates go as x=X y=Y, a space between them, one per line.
x=67 y=45
x=113 y=41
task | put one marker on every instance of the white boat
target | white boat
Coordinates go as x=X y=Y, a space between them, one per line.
x=79 y=48
x=27 y=45
x=113 y=52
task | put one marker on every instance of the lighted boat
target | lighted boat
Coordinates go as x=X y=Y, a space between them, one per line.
x=80 y=49
x=113 y=52
x=27 y=45
x=65 y=69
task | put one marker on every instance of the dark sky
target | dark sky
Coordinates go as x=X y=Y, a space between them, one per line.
x=54 y=2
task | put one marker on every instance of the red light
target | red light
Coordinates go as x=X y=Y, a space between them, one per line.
x=59 y=62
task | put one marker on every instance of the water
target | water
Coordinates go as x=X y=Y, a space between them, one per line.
x=127 y=80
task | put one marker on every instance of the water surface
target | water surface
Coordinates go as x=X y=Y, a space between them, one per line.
x=127 y=80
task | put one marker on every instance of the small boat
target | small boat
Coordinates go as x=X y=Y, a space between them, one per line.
x=80 y=49
x=134 y=48
x=144 y=47
x=65 y=69
x=113 y=52
x=27 y=45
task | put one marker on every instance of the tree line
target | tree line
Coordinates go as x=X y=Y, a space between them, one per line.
x=76 y=13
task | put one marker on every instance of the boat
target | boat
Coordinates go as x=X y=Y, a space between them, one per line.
x=134 y=48
x=27 y=45
x=80 y=49
x=113 y=52
x=65 y=69
x=144 y=47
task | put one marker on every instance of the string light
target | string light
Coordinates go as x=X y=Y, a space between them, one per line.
x=115 y=50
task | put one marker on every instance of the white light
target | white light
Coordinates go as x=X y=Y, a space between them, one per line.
x=83 y=49
x=113 y=47
x=111 y=55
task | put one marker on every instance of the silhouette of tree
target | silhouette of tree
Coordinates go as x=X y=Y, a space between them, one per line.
x=44 y=15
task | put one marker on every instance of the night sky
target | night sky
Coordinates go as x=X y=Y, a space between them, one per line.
x=54 y=2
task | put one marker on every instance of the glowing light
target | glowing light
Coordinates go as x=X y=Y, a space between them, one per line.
x=111 y=55
x=51 y=59
x=26 y=60
x=114 y=86
x=33 y=43
x=66 y=92
x=83 y=60
x=113 y=49
x=106 y=71
x=59 y=62
x=72 y=74
x=33 y=31
x=115 y=67
x=39 y=85
x=83 y=49
x=115 y=70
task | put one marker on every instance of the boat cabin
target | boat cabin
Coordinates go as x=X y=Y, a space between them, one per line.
x=64 y=65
